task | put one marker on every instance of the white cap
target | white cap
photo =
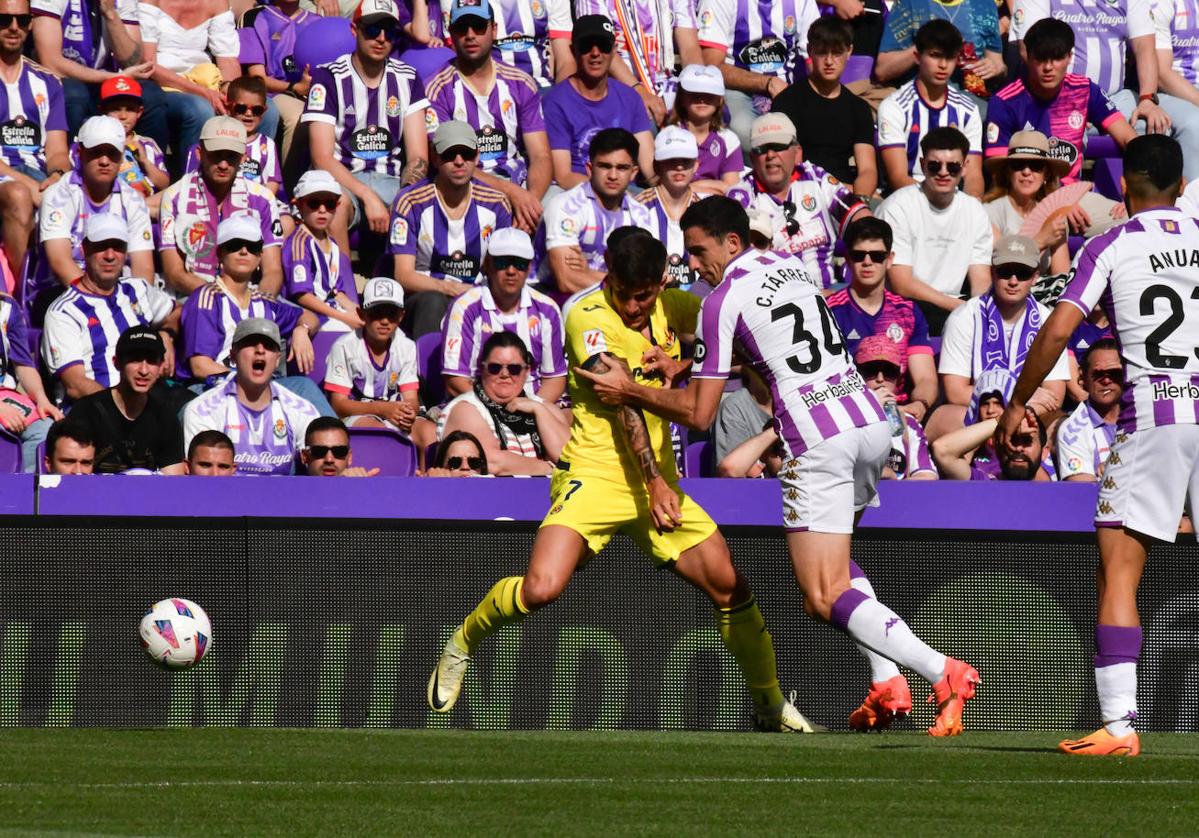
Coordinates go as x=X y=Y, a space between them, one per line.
x=702 y=78
x=509 y=241
x=101 y=130
x=106 y=227
x=760 y=222
x=241 y=226
x=675 y=143
x=316 y=182
x=381 y=290
x=368 y=9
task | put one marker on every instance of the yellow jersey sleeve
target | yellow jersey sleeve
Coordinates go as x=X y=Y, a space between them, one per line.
x=682 y=310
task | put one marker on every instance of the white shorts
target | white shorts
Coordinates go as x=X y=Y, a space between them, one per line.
x=826 y=486
x=1147 y=478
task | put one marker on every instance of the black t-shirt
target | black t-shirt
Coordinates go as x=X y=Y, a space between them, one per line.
x=868 y=29
x=828 y=129
x=153 y=440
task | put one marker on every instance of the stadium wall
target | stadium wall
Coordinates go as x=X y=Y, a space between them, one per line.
x=334 y=616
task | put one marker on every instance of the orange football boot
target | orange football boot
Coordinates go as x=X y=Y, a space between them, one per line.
x=1103 y=744
x=951 y=693
x=886 y=700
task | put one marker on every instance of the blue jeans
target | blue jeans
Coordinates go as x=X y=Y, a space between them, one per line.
x=187 y=114
x=1184 y=125
x=32 y=437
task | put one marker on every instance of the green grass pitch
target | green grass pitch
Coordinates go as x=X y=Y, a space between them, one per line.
x=306 y=782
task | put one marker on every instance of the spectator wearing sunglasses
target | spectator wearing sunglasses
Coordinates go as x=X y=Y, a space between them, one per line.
x=521 y=434
x=810 y=207
x=269 y=36
x=317 y=273
x=459 y=455
x=879 y=362
x=503 y=106
x=942 y=236
x=866 y=309
x=505 y=304
x=326 y=451
x=1084 y=439
x=245 y=100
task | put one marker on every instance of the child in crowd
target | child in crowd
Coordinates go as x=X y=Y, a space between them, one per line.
x=699 y=107
x=316 y=271
x=144 y=165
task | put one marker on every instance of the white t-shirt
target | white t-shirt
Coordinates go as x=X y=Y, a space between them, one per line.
x=352 y=371
x=938 y=244
x=961 y=343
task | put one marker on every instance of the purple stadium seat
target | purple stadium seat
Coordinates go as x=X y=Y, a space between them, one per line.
x=858 y=68
x=428 y=368
x=1109 y=166
x=427 y=62
x=321 y=344
x=389 y=451
x=10 y=453
x=699 y=459
x=323 y=41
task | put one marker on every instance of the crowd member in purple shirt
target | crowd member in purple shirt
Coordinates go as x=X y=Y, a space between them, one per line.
x=269 y=54
x=25 y=413
x=317 y=273
x=699 y=107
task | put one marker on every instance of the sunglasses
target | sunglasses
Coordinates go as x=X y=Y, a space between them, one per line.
x=319 y=452
x=253 y=110
x=875 y=256
x=23 y=21
x=871 y=369
x=388 y=30
x=467 y=154
x=329 y=204
x=1034 y=166
x=503 y=263
x=935 y=166
x=513 y=369
x=455 y=463
x=586 y=46
x=789 y=210
x=474 y=24
x=1018 y=271
x=778 y=148
x=1115 y=375
x=235 y=245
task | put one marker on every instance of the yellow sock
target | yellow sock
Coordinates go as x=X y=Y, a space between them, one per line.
x=743 y=631
x=499 y=608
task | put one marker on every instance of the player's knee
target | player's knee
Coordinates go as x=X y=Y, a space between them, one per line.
x=819 y=602
x=538 y=591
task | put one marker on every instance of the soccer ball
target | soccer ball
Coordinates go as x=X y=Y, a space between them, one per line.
x=175 y=633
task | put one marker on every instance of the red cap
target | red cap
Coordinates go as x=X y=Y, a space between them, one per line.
x=120 y=86
x=878 y=348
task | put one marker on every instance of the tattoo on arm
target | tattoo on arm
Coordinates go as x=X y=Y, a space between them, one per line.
x=416 y=170
x=135 y=57
x=633 y=421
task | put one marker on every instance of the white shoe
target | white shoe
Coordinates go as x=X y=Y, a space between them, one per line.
x=446 y=681
x=785 y=719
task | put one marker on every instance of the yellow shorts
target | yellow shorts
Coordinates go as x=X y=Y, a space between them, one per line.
x=599 y=507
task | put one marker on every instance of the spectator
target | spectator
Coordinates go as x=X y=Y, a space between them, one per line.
x=210 y=454
x=130 y=427
x=459 y=455
x=675 y=161
x=982 y=49
x=375 y=152
x=182 y=39
x=867 y=309
x=69 y=449
x=1084 y=439
x=699 y=107
x=1178 y=61
x=757 y=57
x=926 y=102
x=954 y=453
x=268 y=53
x=1051 y=100
x=942 y=237
x=590 y=101
x=265 y=422
x=24 y=413
x=143 y=163
x=743 y=432
x=371 y=374
x=193 y=208
x=439 y=230
x=245 y=101
x=577 y=224
x=994 y=331
x=810 y=208
x=880 y=363
x=84 y=324
x=326 y=451
x=521 y=434
x=645 y=47
x=503 y=106
x=835 y=127
x=317 y=273
x=93 y=188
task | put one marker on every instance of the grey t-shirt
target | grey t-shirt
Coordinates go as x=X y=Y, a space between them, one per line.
x=737 y=419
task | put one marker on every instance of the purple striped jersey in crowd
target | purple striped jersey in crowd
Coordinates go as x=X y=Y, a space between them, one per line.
x=446 y=248
x=14 y=341
x=905 y=117
x=770 y=305
x=1177 y=26
x=523 y=29
x=1083 y=442
x=210 y=316
x=352 y=371
x=910 y=452
x=260 y=165
x=84 y=39
x=368 y=122
x=1102 y=29
x=501 y=118
x=668 y=231
x=809 y=220
x=474 y=317
x=1145 y=275
x=763 y=36
x=26 y=118
x=309 y=269
x=576 y=218
x=276 y=35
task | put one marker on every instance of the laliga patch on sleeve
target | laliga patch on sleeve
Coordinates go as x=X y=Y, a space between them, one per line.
x=399 y=232
x=593 y=339
x=299 y=275
x=992 y=132
x=316 y=97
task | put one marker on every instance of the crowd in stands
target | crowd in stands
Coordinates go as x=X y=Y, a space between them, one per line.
x=247 y=237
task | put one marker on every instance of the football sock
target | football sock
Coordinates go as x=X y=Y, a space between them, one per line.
x=877 y=627
x=1117 y=649
x=881 y=669
x=744 y=634
x=501 y=607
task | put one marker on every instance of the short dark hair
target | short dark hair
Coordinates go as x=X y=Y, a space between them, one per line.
x=1049 y=39
x=1099 y=345
x=1153 y=166
x=829 y=34
x=209 y=439
x=717 y=216
x=945 y=139
x=254 y=85
x=864 y=229
x=613 y=139
x=443 y=447
x=325 y=423
x=939 y=35
x=68 y=429
x=637 y=259
x=505 y=340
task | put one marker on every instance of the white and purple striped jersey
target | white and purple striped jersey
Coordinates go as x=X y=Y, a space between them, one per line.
x=85 y=31
x=770 y=305
x=14 y=341
x=260 y=165
x=502 y=117
x=368 y=122
x=352 y=371
x=308 y=268
x=29 y=109
x=1102 y=29
x=1177 y=26
x=764 y=36
x=1083 y=442
x=82 y=328
x=909 y=451
x=523 y=30
x=444 y=247
x=668 y=231
x=474 y=317
x=905 y=117
x=576 y=218
x=210 y=316
x=809 y=220
x=1145 y=274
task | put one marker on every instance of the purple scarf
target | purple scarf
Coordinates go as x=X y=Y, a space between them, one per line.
x=991 y=350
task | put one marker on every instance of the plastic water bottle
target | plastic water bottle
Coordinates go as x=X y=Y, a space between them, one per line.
x=894 y=419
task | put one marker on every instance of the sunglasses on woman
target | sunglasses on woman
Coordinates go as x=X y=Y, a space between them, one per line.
x=473 y=463
x=253 y=110
x=1034 y=166
x=319 y=452
x=236 y=245
x=513 y=369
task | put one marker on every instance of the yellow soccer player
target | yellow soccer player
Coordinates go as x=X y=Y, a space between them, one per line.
x=617 y=474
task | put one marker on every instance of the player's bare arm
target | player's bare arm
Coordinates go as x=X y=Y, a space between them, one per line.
x=694 y=406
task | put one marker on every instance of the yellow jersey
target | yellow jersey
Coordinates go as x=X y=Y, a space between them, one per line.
x=597 y=442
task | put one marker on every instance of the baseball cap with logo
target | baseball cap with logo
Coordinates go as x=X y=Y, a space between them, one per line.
x=372 y=10
x=770 y=129
x=99 y=131
x=878 y=348
x=223 y=133
x=454 y=134
x=1016 y=250
x=238 y=227
x=106 y=227
x=702 y=78
x=509 y=241
x=140 y=342
x=316 y=182
x=675 y=143
x=470 y=8
x=256 y=327
x=589 y=29
x=382 y=290
x=120 y=86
